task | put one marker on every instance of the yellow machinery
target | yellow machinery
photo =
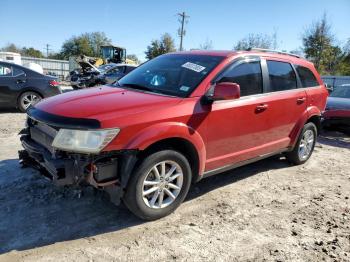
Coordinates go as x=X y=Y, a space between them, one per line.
x=114 y=54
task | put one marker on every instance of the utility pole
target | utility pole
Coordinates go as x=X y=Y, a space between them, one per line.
x=182 y=32
x=47 y=50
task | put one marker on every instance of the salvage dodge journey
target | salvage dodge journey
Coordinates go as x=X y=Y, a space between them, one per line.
x=174 y=120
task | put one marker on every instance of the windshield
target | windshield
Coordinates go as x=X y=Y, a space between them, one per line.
x=107 y=52
x=174 y=74
x=341 y=91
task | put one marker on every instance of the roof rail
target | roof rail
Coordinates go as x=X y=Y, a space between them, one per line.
x=273 y=51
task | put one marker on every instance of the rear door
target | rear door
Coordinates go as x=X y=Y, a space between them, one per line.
x=286 y=102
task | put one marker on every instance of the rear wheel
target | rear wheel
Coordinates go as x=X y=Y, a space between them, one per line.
x=27 y=99
x=304 y=146
x=159 y=185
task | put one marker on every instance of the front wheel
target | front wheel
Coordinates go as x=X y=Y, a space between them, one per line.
x=304 y=146
x=159 y=185
x=27 y=99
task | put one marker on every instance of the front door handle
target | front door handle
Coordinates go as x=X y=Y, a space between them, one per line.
x=301 y=100
x=261 y=108
x=20 y=81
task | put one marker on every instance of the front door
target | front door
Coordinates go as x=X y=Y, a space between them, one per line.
x=236 y=128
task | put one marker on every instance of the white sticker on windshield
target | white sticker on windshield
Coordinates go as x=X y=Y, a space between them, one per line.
x=194 y=67
x=184 y=88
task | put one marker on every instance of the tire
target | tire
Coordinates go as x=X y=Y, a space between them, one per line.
x=28 y=98
x=304 y=147
x=139 y=203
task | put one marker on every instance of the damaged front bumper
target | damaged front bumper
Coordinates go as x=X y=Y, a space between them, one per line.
x=108 y=170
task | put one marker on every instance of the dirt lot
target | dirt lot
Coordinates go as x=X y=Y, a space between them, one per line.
x=265 y=211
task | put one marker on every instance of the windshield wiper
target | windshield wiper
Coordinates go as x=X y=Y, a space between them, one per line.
x=136 y=86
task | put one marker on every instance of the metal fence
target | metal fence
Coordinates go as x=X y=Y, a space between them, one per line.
x=59 y=68
x=334 y=81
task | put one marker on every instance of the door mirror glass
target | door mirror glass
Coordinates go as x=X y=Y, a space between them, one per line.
x=226 y=91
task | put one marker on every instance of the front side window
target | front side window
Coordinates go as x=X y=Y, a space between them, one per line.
x=307 y=78
x=282 y=76
x=5 y=70
x=173 y=74
x=247 y=75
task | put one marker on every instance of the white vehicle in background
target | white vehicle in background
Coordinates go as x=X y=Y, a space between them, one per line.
x=11 y=57
x=15 y=58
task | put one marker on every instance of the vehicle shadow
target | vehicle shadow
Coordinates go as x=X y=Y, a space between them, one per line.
x=333 y=138
x=35 y=213
x=214 y=182
x=9 y=110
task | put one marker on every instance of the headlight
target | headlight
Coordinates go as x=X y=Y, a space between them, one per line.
x=84 y=141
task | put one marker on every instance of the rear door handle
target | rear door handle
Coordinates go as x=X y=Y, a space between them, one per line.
x=261 y=108
x=301 y=100
x=20 y=81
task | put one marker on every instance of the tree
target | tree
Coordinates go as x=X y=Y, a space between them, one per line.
x=11 y=48
x=85 y=44
x=254 y=41
x=96 y=40
x=31 y=52
x=25 y=51
x=343 y=67
x=319 y=47
x=133 y=58
x=165 y=45
x=207 y=45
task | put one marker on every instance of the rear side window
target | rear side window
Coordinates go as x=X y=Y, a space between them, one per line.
x=282 y=76
x=247 y=75
x=307 y=78
x=17 y=71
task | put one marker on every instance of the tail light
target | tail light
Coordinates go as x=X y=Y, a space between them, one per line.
x=54 y=83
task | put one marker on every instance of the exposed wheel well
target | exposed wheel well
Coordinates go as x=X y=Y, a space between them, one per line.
x=317 y=121
x=178 y=144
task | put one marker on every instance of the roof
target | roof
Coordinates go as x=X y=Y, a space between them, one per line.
x=10 y=53
x=229 y=53
x=20 y=66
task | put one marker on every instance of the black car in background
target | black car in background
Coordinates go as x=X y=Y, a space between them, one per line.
x=337 y=113
x=104 y=74
x=21 y=87
x=115 y=72
x=334 y=81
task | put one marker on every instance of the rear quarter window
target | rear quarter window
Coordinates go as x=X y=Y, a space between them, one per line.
x=307 y=78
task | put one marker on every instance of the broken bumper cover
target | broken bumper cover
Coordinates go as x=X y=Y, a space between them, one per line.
x=109 y=171
x=62 y=171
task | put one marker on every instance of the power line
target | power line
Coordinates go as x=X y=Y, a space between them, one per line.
x=47 y=49
x=182 y=19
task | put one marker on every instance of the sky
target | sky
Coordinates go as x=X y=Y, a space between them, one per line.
x=134 y=23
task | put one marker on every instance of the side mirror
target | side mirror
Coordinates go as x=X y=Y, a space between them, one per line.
x=226 y=91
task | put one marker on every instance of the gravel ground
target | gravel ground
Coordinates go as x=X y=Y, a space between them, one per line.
x=267 y=211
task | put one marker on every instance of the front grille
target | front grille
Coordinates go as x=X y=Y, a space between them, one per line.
x=42 y=133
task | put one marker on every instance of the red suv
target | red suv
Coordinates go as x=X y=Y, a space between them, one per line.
x=174 y=120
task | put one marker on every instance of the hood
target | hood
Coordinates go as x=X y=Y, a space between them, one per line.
x=338 y=103
x=98 y=102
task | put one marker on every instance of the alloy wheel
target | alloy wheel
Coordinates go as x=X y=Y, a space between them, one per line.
x=162 y=184
x=306 y=144
x=29 y=99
